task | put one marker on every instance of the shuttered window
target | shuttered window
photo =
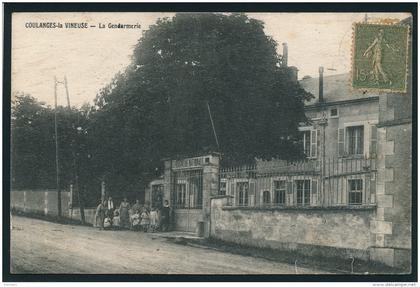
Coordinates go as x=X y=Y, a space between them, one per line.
x=306 y=141
x=355 y=140
x=310 y=141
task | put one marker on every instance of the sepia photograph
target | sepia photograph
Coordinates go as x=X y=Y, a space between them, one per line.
x=210 y=142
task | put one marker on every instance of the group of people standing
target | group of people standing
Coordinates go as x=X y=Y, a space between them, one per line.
x=135 y=217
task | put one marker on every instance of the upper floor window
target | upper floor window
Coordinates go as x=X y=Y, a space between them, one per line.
x=334 y=113
x=355 y=140
x=306 y=140
x=309 y=142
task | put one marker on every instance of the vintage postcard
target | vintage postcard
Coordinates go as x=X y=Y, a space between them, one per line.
x=211 y=143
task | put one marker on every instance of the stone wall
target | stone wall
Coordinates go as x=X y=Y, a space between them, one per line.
x=335 y=232
x=45 y=202
x=39 y=201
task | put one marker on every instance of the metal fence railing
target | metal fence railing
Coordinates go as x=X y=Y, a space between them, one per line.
x=332 y=182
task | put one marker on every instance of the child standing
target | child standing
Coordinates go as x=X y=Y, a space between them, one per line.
x=107 y=223
x=135 y=220
x=153 y=219
x=116 y=219
x=145 y=220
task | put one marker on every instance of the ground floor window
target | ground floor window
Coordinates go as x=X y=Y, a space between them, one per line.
x=303 y=192
x=243 y=188
x=279 y=192
x=355 y=191
x=266 y=197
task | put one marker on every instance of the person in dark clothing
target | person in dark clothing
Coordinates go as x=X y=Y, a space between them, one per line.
x=165 y=216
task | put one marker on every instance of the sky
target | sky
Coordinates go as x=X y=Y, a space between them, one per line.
x=90 y=57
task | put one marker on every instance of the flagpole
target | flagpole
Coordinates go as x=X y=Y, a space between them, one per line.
x=212 y=124
x=56 y=150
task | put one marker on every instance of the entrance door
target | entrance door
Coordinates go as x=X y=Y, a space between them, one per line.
x=187 y=199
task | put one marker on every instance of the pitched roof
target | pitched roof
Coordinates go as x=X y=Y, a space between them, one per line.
x=336 y=88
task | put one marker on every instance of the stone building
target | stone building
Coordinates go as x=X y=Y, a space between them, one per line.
x=350 y=198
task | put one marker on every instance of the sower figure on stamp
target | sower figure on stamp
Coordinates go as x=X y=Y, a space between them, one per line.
x=376 y=49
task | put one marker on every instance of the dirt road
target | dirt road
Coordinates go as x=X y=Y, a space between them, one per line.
x=43 y=247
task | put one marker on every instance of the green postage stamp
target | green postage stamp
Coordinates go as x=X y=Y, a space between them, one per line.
x=380 y=57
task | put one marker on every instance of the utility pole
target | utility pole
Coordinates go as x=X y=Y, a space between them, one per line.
x=56 y=150
x=75 y=165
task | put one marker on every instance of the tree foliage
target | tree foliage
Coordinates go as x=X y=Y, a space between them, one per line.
x=158 y=107
x=159 y=104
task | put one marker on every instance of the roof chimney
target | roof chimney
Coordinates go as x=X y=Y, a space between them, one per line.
x=321 y=85
x=285 y=55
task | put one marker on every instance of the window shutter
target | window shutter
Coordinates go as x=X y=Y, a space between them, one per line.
x=314 y=191
x=340 y=142
x=318 y=142
x=314 y=186
x=289 y=195
x=232 y=192
x=373 y=140
x=251 y=187
x=251 y=193
x=313 y=143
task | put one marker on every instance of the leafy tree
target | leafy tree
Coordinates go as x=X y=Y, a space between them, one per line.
x=32 y=144
x=33 y=158
x=158 y=107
